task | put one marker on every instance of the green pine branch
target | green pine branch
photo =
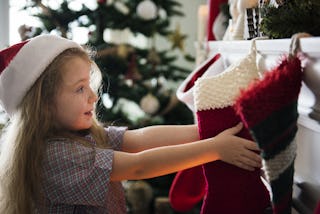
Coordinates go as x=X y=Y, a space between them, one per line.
x=292 y=17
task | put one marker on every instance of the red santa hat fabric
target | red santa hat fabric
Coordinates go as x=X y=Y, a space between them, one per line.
x=22 y=64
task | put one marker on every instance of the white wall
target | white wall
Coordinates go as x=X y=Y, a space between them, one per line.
x=188 y=26
x=4 y=23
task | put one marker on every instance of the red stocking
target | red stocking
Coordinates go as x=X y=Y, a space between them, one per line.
x=187 y=189
x=317 y=210
x=269 y=109
x=229 y=188
x=210 y=67
x=188 y=186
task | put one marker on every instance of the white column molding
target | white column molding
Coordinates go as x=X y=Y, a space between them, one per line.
x=4 y=23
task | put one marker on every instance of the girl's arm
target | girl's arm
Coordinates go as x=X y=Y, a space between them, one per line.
x=156 y=136
x=165 y=160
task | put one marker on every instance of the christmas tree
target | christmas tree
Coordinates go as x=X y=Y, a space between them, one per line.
x=139 y=79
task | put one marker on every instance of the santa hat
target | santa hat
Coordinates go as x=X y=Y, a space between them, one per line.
x=23 y=63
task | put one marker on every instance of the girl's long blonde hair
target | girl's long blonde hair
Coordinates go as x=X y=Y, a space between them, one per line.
x=24 y=141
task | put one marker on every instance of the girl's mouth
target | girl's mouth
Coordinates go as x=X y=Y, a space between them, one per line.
x=88 y=113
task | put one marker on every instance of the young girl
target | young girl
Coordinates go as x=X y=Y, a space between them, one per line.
x=56 y=158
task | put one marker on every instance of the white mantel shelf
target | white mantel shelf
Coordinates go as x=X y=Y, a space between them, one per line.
x=268 y=46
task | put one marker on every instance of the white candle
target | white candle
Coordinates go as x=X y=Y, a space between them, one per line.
x=202 y=22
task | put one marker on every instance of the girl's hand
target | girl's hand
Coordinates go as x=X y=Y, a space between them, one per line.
x=237 y=151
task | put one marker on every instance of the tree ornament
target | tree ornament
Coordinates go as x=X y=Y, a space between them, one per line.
x=107 y=100
x=177 y=39
x=102 y=1
x=124 y=50
x=147 y=10
x=162 y=13
x=133 y=73
x=149 y=104
x=109 y=2
x=121 y=7
x=153 y=56
x=25 y=32
x=90 y=34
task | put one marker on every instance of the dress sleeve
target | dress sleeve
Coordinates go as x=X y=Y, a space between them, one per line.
x=75 y=174
x=115 y=134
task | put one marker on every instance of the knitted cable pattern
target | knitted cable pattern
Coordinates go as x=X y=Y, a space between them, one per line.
x=269 y=109
x=221 y=90
x=189 y=186
x=210 y=67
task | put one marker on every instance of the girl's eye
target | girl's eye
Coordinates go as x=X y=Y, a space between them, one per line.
x=80 y=90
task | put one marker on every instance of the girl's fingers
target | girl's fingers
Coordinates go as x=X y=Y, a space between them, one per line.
x=248 y=164
x=245 y=166
x=250 y=155
x=248 y=160
x=234 y=130
x=256 y=162
x=252 y=145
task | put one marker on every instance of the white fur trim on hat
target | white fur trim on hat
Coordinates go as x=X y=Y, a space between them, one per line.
x=26 y=67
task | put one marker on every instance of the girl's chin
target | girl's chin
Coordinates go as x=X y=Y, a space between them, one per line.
x=84 y=127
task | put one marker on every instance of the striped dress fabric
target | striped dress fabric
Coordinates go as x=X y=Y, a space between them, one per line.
x=77 y=178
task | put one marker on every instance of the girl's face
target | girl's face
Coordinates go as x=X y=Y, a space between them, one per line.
x=75 y=99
